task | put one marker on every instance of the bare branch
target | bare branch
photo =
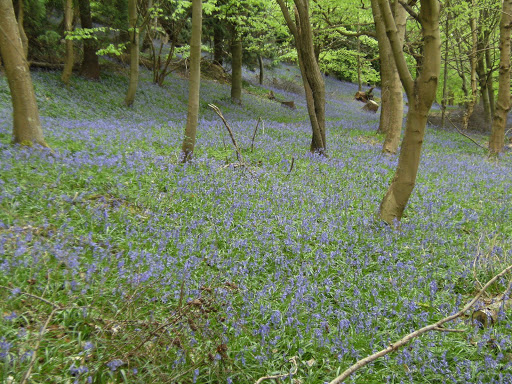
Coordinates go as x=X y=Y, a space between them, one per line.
x=406 y=339
x=293 y=360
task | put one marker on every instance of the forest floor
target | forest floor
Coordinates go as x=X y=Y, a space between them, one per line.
x=119 y=264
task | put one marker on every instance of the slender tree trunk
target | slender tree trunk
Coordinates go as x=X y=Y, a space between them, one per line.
x=497 y=139
x=260 y=62
x=482 y=78
x=134 y=53
x=392 y=104
x=218 y=40
x=26 y=124
x=21 y=20
x=311 y=76
x=90 y=64
x=236 y=69
x=68 y=27
x=421 y=94
x=470 y=106
x=490 y=81
x=445 y=67
x=189 y=140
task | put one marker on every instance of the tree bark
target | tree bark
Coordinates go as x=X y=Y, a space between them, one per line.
x=26 y=124
x=134 y=53
x=497 y=139
x=189 y=140
x=218 y=40
x=21 y=20
x=68 y=27
x=470 y=106
x=236 y=69
x=90 y=64
x=392 y=104
x=260 y=62
x=421 y=94
x=482 y=77
x=311 y=76
x=490 y=81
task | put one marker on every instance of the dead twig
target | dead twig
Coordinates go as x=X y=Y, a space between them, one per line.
x=219 y=113
x=293 y=360
x=254 y=134
x=466 y=136
x=406 y=339
x=54 y=305
x=291 y=166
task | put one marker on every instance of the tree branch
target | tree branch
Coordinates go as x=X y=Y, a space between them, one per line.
x=406 y=339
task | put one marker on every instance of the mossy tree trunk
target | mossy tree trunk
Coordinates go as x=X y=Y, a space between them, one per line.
x=134 y=53
x=90 y=65
x=497 y=139
x=236 y=68
x=421 y=94
x=392 y=102
x=68 y=27
x=189 y=140
x=26 y=124
x=311 y=76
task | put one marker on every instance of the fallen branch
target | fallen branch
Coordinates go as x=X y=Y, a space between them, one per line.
x=406 y=339
x=219 y=113
x=466 y=136
x=254 y=134
x=293 y=360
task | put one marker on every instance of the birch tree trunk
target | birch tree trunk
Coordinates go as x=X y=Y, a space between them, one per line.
x=421 y=94
x=189 y=140
x=68 y=27
x=26 y=124
x=497 y=139
x=134 y=53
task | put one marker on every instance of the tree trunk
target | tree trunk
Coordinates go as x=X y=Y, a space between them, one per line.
x=218 y=40
x=497 y=139
x=90 y=64
x=26 y=125
x=236 y=69
x=134 y=53
x=311 y=76
x=189 y=140
x=260 y=62
x=482 y=79
x=68 y=27
x=21 y=20
x=490 y=81
x=421 y=94
x=470 y=106
x=392 y=104
x=445 y=67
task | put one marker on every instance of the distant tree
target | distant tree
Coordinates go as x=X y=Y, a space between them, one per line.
x=68 y=27
x=497 y=139
x=421 y=94
x=90 y=65
x=134 y=52
x=311 y=76
x=189 y=140
x=26 y=123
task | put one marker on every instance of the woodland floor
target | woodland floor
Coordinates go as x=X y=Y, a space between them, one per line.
x=119 y=264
